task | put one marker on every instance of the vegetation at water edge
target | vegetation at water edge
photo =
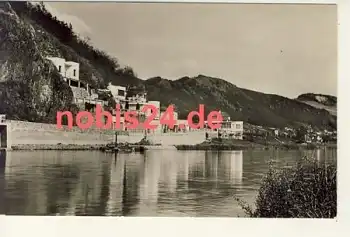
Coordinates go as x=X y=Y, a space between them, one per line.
x=307 y=190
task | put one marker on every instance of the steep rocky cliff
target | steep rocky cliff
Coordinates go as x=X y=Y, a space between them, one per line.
x=30 y=86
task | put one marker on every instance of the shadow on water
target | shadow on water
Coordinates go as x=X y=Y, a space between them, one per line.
x=157 y=183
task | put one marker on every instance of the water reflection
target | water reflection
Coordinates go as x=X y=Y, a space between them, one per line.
x=159 y=183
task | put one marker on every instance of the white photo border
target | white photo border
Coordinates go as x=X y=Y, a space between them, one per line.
x=11 y=226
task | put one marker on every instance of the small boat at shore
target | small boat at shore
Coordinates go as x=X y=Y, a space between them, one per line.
x=122 y=148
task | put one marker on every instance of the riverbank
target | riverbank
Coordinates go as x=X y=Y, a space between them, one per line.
x=24 y=135
x=229 y=144
x=37 y=136
x=87 y=147
x=58 y=147
x=295 y=192
x=205 y=146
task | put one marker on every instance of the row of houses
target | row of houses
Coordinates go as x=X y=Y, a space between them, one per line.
x=303 y=134
x=132 y=99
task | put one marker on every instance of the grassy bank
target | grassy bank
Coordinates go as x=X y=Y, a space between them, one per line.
x=230 y=144
x=307 y=190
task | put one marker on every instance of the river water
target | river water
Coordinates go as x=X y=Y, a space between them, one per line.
x=157 y=183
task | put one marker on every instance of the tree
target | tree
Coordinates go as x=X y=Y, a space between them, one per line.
x=300 y=134
x=128 y=71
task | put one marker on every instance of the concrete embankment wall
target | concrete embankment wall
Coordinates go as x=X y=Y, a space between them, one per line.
x=47 y=134
x=27 y=133
x=189 y=138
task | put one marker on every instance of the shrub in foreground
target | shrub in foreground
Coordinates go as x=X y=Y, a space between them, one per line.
x=307 y=190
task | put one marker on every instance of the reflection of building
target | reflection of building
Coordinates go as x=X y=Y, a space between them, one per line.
x=114 y=203
x=224 y=165
x=149 y=185
x=184 y=168
x=234 y=166
x=169 y=172
x=211 y=165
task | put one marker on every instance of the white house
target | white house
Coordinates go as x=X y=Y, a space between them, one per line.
x=72 y=70
x=81 y=91
x=2 y=118
x=69 y=70
x=156 y=104
x=60 y=65
x=236 y=129
x=118 y=92
x=232 y=129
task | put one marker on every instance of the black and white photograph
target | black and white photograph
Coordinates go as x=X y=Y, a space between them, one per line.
x=168 y=109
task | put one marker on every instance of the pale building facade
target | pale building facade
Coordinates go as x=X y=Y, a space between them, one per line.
x=68 y=69
x=228 y=129
x=156 y=104
x=82 y=92
x=236 y=130
x=118 y=92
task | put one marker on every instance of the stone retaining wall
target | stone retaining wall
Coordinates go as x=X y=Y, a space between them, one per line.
x=28 y=133
x=189 y=138
x=39 y=133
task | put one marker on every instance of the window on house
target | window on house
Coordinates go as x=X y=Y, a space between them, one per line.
x=238 y=126
x=74 y=71
x=121 y=93
x=59 y=68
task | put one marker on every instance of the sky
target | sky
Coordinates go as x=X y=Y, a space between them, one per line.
x=284 y=49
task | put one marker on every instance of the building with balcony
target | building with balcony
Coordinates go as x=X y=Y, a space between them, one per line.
x=135 y=94
x=83 y=95
x=118 y=92
x=68 y=69
x=229 y=128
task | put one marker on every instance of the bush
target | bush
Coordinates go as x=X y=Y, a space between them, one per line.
x=303 y=191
